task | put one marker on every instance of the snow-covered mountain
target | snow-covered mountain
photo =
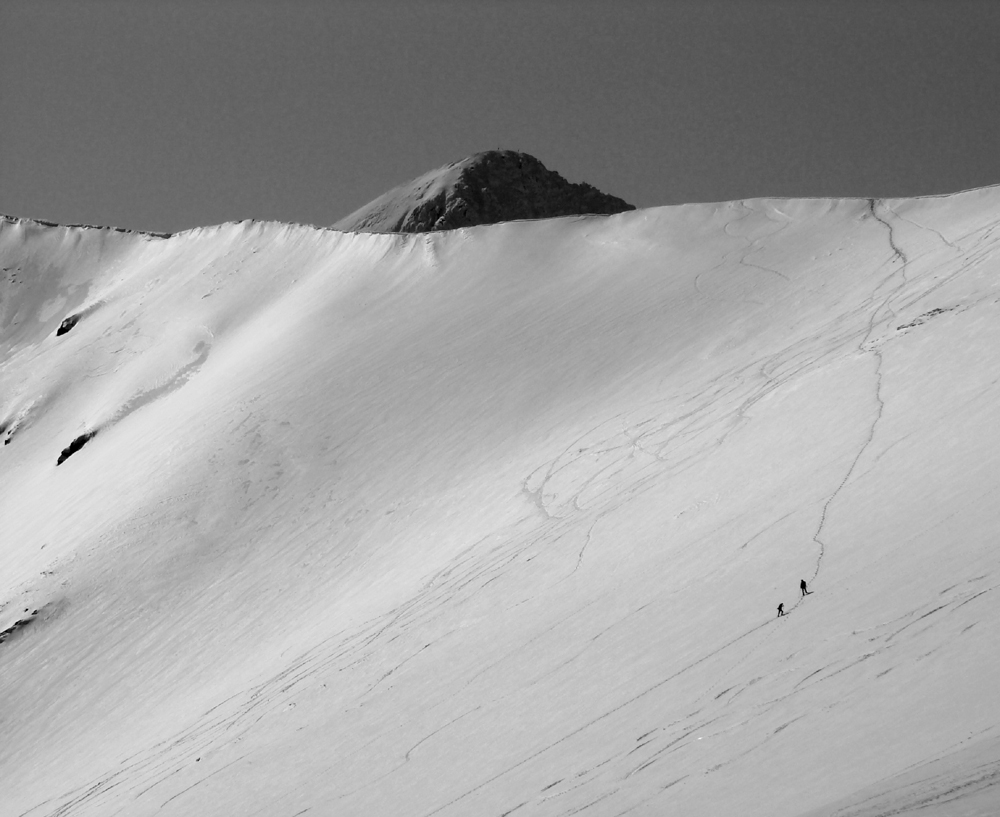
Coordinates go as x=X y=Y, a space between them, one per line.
x=495 y=521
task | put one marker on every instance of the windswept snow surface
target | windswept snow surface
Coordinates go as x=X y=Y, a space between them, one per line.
x=393 y=206
x=495 y=521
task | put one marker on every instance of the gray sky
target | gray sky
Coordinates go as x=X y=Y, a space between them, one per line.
x=163 y=115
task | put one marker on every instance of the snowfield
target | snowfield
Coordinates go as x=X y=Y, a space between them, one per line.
x=496 y=521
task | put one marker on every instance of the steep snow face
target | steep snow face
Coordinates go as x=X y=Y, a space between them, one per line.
x=487 y=188
x=496 y=520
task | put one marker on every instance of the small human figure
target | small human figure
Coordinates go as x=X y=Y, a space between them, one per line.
x=803 y=588
x=781 y=609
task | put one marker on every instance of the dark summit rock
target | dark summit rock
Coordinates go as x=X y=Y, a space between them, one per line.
x=490 y=187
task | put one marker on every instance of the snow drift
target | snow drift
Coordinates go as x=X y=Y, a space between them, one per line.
x=495 y=521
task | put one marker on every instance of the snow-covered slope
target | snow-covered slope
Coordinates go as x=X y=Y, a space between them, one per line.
x=496 y=520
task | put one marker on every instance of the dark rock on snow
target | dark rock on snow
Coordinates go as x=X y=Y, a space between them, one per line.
x=75 y=446
x=67 y=324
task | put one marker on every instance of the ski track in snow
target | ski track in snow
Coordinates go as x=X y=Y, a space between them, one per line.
x=879 y=402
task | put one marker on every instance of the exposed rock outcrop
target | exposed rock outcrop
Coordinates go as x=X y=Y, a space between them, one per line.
x=67 y=324
x=75 y=446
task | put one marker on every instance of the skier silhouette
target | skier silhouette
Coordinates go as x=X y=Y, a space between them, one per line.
x=781 y=609
x=803 y=588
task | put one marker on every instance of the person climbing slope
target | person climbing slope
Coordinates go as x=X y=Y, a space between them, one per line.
x=805 y=590
x=781 y=609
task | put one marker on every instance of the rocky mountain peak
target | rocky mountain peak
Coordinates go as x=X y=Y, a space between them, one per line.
x=486 y=188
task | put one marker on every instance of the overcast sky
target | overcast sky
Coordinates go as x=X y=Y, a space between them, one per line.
x=163 y=115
